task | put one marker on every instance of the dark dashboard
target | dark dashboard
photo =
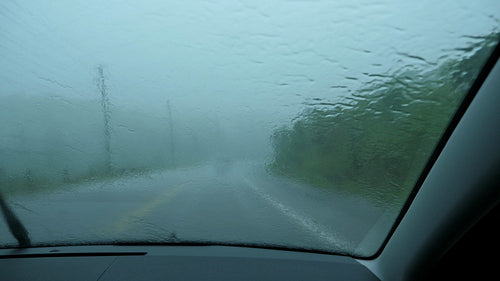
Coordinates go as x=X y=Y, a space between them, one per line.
x=175 y=263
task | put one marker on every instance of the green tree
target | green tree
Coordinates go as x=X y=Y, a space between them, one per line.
x=378 y=145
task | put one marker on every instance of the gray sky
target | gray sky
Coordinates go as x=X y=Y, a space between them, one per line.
x=258 y=60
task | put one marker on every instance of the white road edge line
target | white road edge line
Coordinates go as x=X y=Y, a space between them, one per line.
x=305 y=222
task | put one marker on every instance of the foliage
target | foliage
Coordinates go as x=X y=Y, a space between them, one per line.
x=378 y=143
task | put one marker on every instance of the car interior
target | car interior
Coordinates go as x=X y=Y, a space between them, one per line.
x=447 y=230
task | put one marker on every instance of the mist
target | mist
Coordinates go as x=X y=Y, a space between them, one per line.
x=195 y=82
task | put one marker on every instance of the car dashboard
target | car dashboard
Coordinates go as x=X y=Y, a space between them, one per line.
x=175 y=263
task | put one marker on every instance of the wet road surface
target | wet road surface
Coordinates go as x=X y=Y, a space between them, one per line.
x=233 y=203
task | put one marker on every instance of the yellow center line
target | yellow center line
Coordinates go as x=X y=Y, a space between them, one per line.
x=126 y=222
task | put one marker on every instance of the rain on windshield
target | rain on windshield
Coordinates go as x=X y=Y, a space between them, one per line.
x=294 y=124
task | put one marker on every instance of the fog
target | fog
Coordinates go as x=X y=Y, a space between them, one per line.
x=196 y=81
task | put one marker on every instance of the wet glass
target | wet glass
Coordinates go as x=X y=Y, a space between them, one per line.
x=293 y=124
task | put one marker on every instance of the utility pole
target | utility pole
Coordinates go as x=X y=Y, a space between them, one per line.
x=101 y=85
x=172 y=146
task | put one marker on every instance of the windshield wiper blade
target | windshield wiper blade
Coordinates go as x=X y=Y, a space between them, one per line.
x=15 y=226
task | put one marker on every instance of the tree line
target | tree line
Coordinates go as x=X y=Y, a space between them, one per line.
x=377 y=143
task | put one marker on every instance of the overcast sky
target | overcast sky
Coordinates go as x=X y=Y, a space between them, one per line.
x=259 y=60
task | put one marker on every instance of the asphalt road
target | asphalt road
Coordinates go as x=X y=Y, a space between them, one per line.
x=228 y=202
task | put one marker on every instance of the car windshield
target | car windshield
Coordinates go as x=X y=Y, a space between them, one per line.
x=287 y=124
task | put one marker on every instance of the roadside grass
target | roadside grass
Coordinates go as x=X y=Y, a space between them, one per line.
x=25 y=185
x=387 y=197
